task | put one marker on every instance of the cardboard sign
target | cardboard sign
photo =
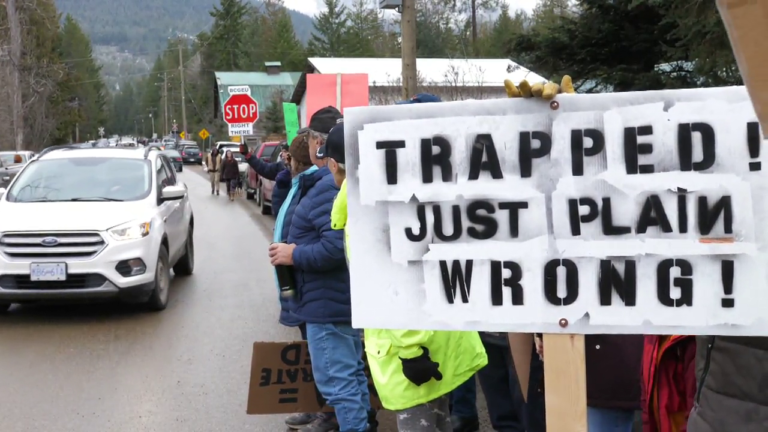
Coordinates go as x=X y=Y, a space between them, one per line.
x=614 y=213
x=282 y=381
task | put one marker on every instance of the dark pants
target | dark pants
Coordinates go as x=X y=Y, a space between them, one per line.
x=231 y=185
x=535 y=413
x=464 y=400
x=506 y=406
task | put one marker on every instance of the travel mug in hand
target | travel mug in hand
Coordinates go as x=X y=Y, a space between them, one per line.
x=286 y=281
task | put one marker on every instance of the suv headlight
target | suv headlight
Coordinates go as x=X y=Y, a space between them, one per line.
x=131 y=231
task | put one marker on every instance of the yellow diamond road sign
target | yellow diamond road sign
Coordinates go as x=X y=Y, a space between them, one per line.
x=182 y=135
x=204 y=134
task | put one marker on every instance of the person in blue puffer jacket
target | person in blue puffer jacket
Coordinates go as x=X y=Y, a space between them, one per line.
x=291 y=187
x=323 y=302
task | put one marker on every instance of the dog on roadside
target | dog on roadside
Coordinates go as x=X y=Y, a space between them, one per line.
x=239 y=189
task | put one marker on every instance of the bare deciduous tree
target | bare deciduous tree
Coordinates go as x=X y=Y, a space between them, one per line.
x=29 y=81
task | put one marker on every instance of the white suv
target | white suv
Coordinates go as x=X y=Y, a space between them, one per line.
x=94 y=223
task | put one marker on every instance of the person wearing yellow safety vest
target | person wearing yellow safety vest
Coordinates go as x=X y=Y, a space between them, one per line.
x=413 y=370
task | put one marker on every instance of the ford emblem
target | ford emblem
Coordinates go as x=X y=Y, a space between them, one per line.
x=49 y=241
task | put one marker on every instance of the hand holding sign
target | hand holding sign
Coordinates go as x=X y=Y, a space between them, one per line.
x=545 y=91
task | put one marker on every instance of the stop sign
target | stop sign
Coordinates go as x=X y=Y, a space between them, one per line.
x=241 y=108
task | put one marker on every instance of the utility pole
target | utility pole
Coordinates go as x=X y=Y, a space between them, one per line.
x=152 y=117
x=165 y=102
x=408 y=43
x=17 y=115
x=183 y=102
x=474 y=26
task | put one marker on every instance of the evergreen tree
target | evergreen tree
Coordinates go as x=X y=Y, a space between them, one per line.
x=363 y=32
x=227 y=41
x=280 y=42
x=83 y=89
x=330 y=25
x=273 y=118
x=503 y=33
x=436 y=37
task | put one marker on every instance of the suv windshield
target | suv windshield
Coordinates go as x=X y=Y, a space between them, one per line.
x=83 y=179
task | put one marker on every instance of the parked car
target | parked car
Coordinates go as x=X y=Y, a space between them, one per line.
x=190 y=153
x=262 y=151
x=264 y=193
x=223 y=146
x=175 y=158
x=8 y=172
x=123 y=220
x=9 y=158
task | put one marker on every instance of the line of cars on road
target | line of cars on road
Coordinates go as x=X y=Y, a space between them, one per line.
x=81 y=223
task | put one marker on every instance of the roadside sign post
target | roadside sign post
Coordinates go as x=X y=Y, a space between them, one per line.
x=182 y=135
x=241 y=111
x=101 y=132
x=204 y=134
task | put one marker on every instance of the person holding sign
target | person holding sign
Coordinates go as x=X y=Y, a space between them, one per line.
x=414 y=371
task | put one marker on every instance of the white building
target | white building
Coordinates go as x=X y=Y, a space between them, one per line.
x=451 y=79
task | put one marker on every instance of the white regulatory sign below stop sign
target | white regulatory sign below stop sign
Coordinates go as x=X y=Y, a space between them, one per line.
x=241 y=108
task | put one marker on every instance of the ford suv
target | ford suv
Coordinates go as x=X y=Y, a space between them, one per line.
x=81 y=224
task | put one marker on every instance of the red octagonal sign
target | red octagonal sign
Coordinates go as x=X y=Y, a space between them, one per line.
x=241 y=108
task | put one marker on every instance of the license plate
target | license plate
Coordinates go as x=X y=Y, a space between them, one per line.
x=48 y=272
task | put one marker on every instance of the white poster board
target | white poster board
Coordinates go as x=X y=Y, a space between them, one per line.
x=611 y=213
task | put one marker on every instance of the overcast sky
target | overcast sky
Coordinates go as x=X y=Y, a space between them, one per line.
x=311 y=7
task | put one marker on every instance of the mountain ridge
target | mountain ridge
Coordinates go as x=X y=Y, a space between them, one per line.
x=143 y=27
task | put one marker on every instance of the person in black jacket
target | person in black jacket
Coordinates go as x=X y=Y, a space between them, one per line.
x=230 y=172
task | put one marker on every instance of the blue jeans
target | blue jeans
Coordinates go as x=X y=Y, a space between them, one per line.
x=464 y=400
x=336 y=351
x=610 y=420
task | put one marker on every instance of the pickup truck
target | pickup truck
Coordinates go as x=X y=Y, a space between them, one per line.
x=263 y=151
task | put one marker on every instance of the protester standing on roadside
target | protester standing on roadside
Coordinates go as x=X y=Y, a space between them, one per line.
x=316 y=253
x=731 y=391
x=669 y=382
x=230 y=172
x=290 y=188
x=414 y=371
x=213 y=166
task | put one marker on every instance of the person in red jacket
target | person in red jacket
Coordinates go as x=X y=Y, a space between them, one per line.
x=669 y=382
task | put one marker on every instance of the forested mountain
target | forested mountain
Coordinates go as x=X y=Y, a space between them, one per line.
x=144 y=26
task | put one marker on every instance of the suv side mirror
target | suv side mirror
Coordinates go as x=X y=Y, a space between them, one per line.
x=173 y=192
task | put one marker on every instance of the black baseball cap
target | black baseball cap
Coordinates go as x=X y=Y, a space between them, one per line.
x=334 y=145
x=325 y=119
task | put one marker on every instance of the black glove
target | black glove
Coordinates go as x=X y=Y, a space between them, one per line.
x=421 y=369
x=244 y=151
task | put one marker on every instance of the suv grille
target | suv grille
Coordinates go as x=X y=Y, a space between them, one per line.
x=74 y=281
x=70 y=245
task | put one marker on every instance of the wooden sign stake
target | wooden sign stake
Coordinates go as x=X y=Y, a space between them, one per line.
x=565 y=382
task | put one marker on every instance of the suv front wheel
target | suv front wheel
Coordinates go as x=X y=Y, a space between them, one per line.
x=186 y=264
x=159 y=298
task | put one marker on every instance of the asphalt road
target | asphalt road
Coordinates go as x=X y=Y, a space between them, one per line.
x=105 y=368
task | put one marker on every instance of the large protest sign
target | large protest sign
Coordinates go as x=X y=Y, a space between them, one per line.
x=612 y=213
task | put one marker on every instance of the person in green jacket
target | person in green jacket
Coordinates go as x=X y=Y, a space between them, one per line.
x=413 y=370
